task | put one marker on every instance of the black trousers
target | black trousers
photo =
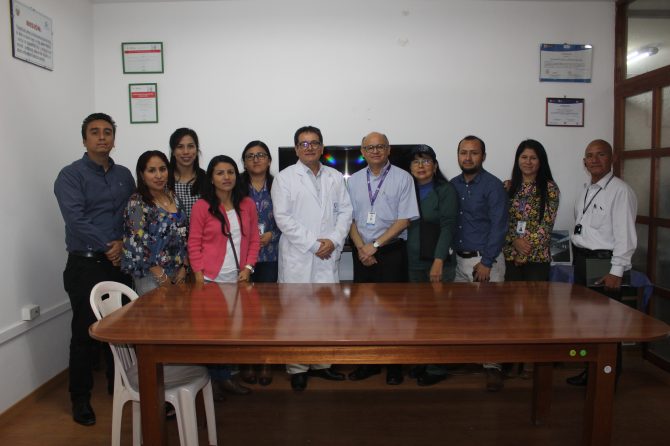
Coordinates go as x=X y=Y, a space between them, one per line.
x=391 y=265
x=80 y=276
x=531 y=271
x=579 y=257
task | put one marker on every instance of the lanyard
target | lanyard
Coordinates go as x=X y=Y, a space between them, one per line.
x=372 y=197
x=586 y=206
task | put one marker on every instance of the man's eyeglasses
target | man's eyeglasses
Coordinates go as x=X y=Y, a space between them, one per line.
x=259 y=156
x=375 y=148
x=314 y=144
x=422 y=162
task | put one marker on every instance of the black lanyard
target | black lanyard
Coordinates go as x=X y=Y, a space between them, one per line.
x=586 y=206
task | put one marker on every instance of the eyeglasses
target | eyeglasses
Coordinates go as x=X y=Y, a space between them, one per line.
x=375 y=148
x=314 y=144
x=422 y=162
x=259 y=156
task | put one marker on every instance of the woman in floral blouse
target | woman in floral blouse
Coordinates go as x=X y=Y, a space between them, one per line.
x=534 y=200
x=256 y=176
x=155 y=228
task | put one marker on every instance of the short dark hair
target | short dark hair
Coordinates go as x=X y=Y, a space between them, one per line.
x=142 y=162
x=97 y=117
x=473 y=138
x=307 y=129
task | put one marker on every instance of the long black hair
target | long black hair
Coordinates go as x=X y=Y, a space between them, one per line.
x=142 y=162
x=238 y=193
x=199 y=185
x=246 y=178
x=543 y=174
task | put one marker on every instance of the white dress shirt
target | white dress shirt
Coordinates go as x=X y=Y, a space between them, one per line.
x=606 y=212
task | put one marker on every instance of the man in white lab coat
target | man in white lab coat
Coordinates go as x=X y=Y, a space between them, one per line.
x=313 y=211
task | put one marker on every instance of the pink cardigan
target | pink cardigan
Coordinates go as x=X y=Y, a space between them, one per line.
x=207 y=246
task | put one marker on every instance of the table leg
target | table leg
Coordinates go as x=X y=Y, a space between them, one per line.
x=542 y=388
x=599 y=408
x=152 y=396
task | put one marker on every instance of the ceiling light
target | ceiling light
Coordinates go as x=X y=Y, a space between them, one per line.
x=641 y=54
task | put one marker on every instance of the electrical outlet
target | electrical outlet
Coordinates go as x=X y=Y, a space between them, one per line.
x=30 y=312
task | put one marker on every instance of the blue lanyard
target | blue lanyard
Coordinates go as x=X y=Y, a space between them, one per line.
x=372 y=197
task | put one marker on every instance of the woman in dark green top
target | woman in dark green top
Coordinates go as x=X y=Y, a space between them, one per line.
x=438 y=203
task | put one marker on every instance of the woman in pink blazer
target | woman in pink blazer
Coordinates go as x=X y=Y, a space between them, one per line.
x=223 y=240
x=223 y=244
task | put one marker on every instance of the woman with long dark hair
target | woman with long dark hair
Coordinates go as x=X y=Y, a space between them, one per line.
x=223 y=243
x=155 y=228
x=187 y=179
x=534 y=198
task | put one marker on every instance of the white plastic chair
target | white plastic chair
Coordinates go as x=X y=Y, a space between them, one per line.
x=182 y=382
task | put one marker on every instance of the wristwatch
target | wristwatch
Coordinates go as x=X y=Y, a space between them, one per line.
x=376 y=244
x=250 y=268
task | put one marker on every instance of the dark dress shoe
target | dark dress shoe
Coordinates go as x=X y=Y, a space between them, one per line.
x=248 y=374
x=328 y=374
x=232 y=386
x=428 y=379
x=299 y=381
x=494 y=380
x=82 y=413
x=394 y=375
x=364 y=372
x=265 y=375
x=416 y=371
x=579 y=380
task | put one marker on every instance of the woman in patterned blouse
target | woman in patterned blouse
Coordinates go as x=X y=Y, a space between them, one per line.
x=155 y=228
x=256 y=176
x=534 y=198
x=187 y=179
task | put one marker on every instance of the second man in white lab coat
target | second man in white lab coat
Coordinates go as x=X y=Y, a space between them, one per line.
x=313 y=211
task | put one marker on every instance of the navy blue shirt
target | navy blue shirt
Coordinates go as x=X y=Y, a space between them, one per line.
x=482 y=216
x=92 y=202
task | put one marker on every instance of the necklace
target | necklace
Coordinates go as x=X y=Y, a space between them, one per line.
x=165 y=202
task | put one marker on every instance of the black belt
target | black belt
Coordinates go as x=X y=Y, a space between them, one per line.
x=468 y=254
x=89 y=254
x=592 y=253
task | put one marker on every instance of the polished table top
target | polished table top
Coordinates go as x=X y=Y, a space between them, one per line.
x=376 y=314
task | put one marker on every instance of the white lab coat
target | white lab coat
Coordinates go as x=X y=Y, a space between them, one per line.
x=302 y=220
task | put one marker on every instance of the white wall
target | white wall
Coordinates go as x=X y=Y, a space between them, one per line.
x=40 y=115
x=421 y=71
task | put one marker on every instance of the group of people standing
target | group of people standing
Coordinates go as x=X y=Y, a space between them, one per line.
x=221 y=225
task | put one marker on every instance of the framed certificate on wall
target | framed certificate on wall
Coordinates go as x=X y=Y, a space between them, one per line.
x=142 y=57
x=143 y=100
x=565 y=112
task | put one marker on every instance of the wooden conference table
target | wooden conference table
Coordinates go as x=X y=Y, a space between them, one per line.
x=397 y=323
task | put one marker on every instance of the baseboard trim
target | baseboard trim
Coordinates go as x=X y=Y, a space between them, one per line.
x=24 y=404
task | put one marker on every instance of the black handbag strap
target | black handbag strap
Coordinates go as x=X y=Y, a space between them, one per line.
x=232 y=245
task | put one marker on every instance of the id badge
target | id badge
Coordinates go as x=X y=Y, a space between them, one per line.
x=372 y=217
x=521 y=227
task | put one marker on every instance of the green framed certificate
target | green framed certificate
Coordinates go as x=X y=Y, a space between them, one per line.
x=142 y=57
x=143 y=99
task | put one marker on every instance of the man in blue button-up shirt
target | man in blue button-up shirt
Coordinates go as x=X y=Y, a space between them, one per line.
x=481 y=228
x=92 y=193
